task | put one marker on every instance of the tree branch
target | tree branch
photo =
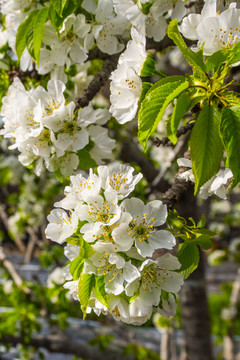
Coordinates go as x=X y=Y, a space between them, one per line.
x=179 y=186
x=95 y=85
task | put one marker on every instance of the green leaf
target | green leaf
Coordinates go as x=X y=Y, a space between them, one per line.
x=100 y=292
x=204 y=241
x=188 y=256
x=194 y=59
x=148 y=68
x=70 y=7
x=230 y=133
x=180 y=109
x=74 y=241
x=146 y=7
x=55 y=19
x=59 y=5
x=206 y=146
x=145 y=88
x=154 y=105
x=76 y=267
x=235 y=54
x=86 y=250
x=85 y=160
x=216 y=59
x=40 y=20
x=29 y=38
x=22 y=37
x=85 y=286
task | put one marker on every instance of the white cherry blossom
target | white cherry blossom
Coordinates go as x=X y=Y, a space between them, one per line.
x=217 y=185
x=119 y=179
x=141 y=230
x=216 y=31
x=98 y=212
x=114 y=269
x=61 y=225
x=126 y=84
x=156 y=275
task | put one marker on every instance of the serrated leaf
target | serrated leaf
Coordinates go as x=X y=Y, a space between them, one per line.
x=85 y=286
x=100 y=292
x=155 y=104
x=148 y=68
x=23 y=33
x=40 y=20
x=188 y=256
x=230 y=133
x=76 y=267
x=232 y=98
x=179 y=110
x=194 y=59
x=146 y=86
x=206 y=145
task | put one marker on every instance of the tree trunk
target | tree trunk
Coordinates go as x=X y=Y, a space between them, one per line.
x=193 y=298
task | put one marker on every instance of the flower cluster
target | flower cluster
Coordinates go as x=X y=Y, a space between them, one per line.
x=111 y=240
x=217 y=185
x=126 y=84
x=151 y=14
x=46 y=130
x=68 y=47
x=213 y=30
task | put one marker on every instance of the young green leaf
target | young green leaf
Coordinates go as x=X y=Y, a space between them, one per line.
x=188 y=256
x=100 y=292
x=59 y=5
x=179 y=110
x=148 y=68
x=145 y=88
x=155 y=103
x=230 y=133
x=76 y=267
x=216 y=59
x=206 y=145
x=85 y=286
x=204 y=241
x=40 y=20
x=194 y=59
x=55 y=19
x=85 y=250
x=235 y=54
x=22 y=33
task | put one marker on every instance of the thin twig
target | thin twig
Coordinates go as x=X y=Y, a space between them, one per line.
x=16 y=239
x=182 y=131
x=33 y=240
x=12 y=271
